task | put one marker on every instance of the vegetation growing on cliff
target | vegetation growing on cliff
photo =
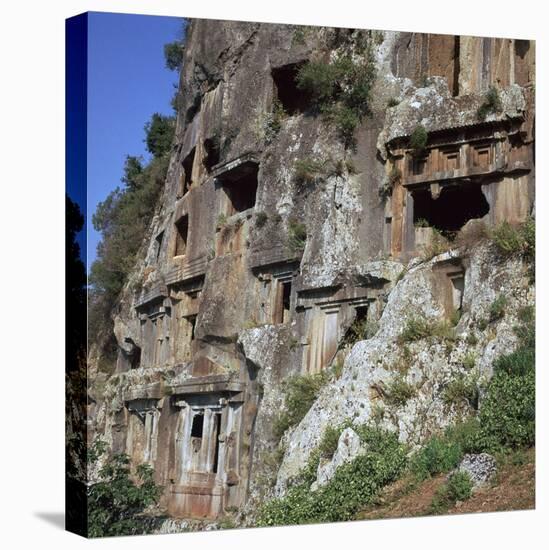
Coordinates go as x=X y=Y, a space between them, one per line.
x=354 y=484
x=341 y=89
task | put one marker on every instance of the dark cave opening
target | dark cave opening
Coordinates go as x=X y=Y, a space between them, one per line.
x=290 y=96
x=455 y=206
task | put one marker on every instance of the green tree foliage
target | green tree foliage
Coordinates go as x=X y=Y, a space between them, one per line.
x=159 y=134
x=116 y=501
x=173 y=55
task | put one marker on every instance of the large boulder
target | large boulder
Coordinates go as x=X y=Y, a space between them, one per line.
x=480 y=467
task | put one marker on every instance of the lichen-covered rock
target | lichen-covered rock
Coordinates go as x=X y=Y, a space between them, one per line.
x=481 y=468
x=348 y=448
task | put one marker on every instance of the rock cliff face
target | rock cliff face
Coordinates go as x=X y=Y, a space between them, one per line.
x=275 y=238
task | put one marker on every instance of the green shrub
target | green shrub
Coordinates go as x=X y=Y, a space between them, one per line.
x=507 y=413
x=399 y=391
x=461 y=388
x=515 y=239
x=340 y=89
x=497 y=308
x=173 y=55
x=437 y=456
x=159 y=134
x=492 y=103
x=328 y=444
x=418 y=139
x=467 y=434
x=300 y=392
x=458 y=488
x=297 y=236
x=119 y=497
x=417 y=328
x=518 y=363
x=353 y=486
x=392 y=102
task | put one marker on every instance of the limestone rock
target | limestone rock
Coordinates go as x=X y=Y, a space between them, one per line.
x=480 y=467
x=348 y=447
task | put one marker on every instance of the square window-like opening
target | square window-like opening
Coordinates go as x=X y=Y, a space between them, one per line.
x=159 y=239
x=281 y=313
x=188 y=163
x=197 y=428
x=293 y=99
x=181 y=234
x=241 y=189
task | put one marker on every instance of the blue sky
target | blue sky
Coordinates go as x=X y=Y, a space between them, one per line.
x=127 y=83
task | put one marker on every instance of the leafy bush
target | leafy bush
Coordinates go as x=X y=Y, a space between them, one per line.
x=492 y=103
x=340 y=89
x=418 y=139
x=518 y=363
x=458 y=488
x=467 y=434
x=507 y=413
x=173 y=55
x=497 y=308
x=354 y=485
x=399 y=391
x=440 y=454
x=300 y=393
x=116 y=501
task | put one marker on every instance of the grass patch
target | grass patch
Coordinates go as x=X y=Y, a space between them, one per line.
x=417 y=328
x=398 y=392
x=492 y=103
x=510 y=240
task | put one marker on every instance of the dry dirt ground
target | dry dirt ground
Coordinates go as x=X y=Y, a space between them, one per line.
x=512 y=489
